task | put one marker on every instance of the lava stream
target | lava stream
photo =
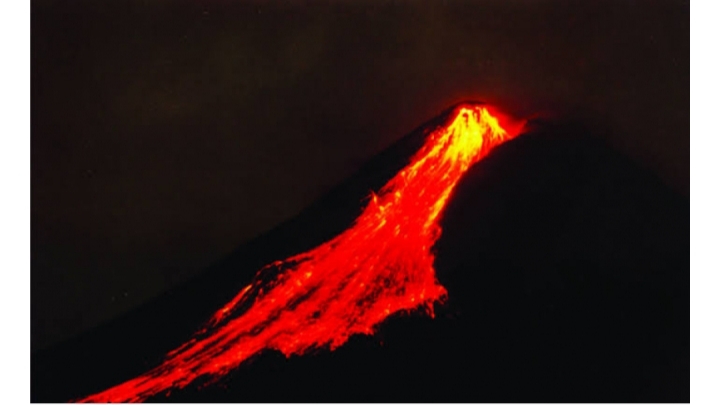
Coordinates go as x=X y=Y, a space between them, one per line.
x=381 y=265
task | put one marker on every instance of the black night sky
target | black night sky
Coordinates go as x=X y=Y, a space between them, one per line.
x=167 y=133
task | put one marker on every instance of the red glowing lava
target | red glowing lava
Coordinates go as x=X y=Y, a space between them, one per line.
x=381 y=265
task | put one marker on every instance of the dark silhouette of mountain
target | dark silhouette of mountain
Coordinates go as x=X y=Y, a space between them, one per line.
x=567 y=269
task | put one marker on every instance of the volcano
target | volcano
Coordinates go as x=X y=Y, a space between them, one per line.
x=558 y=271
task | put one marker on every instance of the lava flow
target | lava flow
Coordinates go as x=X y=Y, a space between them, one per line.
x=381 y=265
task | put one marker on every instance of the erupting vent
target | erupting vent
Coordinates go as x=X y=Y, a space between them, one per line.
x=381 y=265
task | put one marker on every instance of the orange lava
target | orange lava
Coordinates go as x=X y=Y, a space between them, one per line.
x=381 y=265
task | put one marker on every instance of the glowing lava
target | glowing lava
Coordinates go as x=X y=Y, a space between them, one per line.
x=381 y=265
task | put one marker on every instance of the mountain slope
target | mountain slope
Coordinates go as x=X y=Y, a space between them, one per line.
x=567 y=269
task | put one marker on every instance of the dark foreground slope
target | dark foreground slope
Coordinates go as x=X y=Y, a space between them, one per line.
x=568 y=276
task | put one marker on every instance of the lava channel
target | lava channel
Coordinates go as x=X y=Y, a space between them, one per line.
x=381 y=265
